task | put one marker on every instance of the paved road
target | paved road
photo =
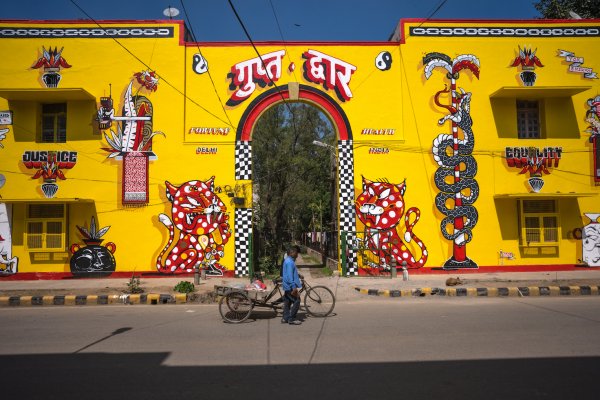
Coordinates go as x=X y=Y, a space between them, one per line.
x=546 y=348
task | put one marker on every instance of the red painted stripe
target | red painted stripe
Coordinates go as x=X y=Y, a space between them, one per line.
x=292 y=43
x=485 y=270
x=35 y=276
x=404 y=21
x=269 y=99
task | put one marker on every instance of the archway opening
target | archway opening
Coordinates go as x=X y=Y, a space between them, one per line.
x=294 y=174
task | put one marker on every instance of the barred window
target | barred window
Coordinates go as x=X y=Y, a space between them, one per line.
x=539 y=223
x=45 y=227
x=54 y=123
x=528 y=119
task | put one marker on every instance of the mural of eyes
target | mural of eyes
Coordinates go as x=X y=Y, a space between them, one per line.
x=383 y=61
x=199 y=64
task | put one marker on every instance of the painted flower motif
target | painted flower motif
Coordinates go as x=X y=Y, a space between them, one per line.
x=51 y=59
x=147 y=79
x=92 y=233
x=49 y=172
x=527 y=59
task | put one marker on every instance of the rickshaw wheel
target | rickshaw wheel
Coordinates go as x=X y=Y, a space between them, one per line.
x=235 y=307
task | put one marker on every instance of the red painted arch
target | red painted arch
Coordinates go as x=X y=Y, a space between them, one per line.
x=306 y=94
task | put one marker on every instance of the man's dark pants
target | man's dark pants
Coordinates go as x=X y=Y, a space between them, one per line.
x=288 y=299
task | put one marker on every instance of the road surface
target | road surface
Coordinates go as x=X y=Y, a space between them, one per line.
x=499 y=348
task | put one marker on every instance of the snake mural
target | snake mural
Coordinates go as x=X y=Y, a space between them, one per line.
x=455 y=182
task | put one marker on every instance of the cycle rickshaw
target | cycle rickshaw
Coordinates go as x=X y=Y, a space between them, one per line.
x=236 y=304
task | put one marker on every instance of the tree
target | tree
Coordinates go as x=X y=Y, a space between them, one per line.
x=290 y=173
x=559 y=9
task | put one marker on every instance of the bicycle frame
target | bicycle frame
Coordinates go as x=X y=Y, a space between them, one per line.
x=277 y=290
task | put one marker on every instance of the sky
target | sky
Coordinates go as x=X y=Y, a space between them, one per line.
x=300 y=20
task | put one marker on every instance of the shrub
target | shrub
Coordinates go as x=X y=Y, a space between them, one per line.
x=184 y=287
x=134 y=286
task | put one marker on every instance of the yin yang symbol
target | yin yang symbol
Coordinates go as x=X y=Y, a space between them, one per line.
x=383 y=61
x=199 y=64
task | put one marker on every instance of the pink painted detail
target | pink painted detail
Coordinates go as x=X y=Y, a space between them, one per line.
x=135 y=178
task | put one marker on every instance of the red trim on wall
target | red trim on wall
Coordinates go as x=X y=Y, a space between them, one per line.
x=258 y=110
x=39 y=276
x=404 y=21
x=292 y=43
x=33 y=276
x=100 y=21
x=105 y=22
x=492 y=269
x=275 y=96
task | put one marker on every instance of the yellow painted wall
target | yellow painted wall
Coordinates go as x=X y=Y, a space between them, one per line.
x=399 y=98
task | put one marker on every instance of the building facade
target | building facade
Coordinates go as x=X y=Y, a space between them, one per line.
x=461 y=145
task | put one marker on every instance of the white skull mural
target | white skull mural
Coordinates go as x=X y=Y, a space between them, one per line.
x=591 y=241
x=8 y=264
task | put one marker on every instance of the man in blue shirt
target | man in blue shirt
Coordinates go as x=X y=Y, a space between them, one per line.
x=291 y=286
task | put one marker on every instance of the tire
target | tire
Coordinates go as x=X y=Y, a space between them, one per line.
x=319 y=301
x=235 y=307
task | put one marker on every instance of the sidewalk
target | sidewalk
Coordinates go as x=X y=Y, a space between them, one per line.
x=160 y=290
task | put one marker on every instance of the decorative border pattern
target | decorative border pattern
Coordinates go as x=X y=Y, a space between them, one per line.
x=504 y=31
x=92 y=33
x=243 y=230
x=347 y=213
x=514 y=291
x=243 y=160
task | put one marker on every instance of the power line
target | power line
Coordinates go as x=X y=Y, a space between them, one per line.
x=148 y=67
x=200 y=52
x=263 y=64
x=438 y=8
x=282 y=38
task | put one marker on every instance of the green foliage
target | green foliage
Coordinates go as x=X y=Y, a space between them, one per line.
x=269 y=266
x=184 y=287
x=326 y=271
x=290 y=173
x=134 y=285
x=559 y=9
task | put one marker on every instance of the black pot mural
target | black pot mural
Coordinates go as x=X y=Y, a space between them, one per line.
x=93 y=259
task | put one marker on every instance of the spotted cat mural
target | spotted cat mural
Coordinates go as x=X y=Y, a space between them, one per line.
x=380 y=207
x=202 y=220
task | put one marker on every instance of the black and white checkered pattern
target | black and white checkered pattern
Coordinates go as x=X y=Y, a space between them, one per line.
x=243 y=160
x=243 y=230
x=346 y=198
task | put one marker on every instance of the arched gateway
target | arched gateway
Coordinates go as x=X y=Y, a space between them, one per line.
x=243 y=162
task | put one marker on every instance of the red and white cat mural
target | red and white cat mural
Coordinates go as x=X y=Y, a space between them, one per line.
x=203 y=223
x=380 y=207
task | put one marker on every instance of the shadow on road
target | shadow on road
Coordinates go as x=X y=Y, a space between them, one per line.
x=142 y=376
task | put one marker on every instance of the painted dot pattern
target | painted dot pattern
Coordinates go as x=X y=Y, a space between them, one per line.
x=381 y=209
x=200 y=216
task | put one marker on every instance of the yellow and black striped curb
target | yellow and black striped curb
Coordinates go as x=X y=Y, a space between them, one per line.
x=525 y=291
x=82 y=300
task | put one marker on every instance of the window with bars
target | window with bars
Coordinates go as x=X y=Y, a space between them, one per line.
x=539 y=223
x=45 y=227
x=54 y=123
x=528 y=119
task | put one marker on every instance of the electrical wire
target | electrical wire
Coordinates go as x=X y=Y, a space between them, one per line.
x=263 y=64
x=438 y=8
x=148 y=67
x=282 y=38
x=187 y=17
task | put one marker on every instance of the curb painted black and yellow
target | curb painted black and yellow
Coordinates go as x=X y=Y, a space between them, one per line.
x=516 y=291
x=82 y=300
